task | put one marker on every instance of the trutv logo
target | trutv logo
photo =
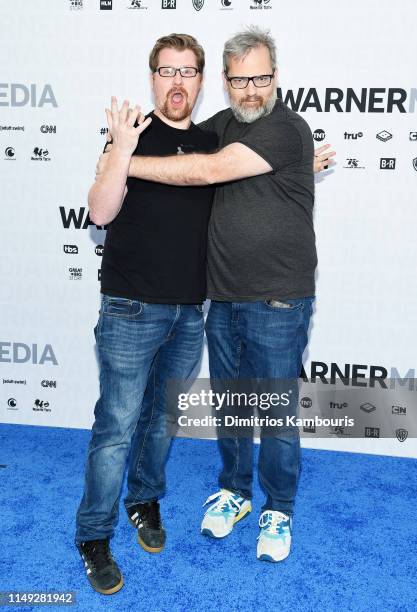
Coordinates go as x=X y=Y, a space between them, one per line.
x=77 y=219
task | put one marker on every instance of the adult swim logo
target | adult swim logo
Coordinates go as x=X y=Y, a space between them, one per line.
x=365 y=100
x=19 y=352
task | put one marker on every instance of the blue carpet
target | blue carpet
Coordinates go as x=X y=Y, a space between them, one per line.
x=354 y=545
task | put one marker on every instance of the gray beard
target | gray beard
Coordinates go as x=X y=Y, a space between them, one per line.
x=249 y=115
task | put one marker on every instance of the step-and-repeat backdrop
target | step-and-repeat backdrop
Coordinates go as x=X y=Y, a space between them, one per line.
x=348 y=68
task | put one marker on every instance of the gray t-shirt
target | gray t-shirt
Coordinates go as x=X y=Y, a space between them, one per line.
x=261 y=242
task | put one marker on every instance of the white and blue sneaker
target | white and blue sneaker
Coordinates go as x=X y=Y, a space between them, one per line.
x=274 y=540
x=221 y=516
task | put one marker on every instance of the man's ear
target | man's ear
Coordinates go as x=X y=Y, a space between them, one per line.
x=224 y=79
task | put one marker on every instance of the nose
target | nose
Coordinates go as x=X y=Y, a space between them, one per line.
x=178 y=78
x=251 y=89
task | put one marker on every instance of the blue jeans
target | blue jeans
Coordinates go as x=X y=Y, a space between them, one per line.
x=140 y=346
x=252 y=340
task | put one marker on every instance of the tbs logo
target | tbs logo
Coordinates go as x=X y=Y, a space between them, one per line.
x=71 y=249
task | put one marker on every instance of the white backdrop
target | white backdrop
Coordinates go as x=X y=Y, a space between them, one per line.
x=59 y=67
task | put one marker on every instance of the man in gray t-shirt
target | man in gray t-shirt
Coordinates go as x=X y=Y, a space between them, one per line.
x=261 y=263
x=261 y=236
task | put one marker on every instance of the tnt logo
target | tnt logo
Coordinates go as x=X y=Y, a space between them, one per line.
x=387 y=163
x=319 y=135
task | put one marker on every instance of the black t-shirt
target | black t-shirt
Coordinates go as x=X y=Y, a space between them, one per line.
x=155 y=249
x=261 y=241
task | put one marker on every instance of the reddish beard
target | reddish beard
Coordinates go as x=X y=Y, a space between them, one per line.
x=176 y=114
x=258 y=99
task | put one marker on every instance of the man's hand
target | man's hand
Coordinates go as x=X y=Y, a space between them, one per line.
x=121 y=126
x=322 y=158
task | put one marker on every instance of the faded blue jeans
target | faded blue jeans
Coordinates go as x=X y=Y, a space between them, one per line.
x=140 y=347
x=255 y=340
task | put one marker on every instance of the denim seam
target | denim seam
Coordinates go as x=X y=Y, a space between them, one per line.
x=145 y=437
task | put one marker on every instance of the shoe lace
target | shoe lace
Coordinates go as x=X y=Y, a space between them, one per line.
x=226 y=502
x=271 y=521
x=99 y=552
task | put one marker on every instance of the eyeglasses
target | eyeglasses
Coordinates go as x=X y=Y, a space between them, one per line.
x=185 y=71
x=241 y=82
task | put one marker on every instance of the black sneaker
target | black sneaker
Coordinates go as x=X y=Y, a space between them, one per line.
x=147 y=519
x=102 y=571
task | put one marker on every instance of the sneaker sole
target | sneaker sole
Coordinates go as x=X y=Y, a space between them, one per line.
x=114 y=589
x=149 y=548
x=265 y=557
x=142 y=543
x=238 y=517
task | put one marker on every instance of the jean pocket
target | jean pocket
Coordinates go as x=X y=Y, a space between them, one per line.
x=282 y=305
x=122 y=307
x=200 y=307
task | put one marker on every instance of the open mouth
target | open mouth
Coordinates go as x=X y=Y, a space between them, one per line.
x=177 y=98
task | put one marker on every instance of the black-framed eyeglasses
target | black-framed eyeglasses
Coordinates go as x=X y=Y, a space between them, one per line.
x=262 y=80
x=185 y=71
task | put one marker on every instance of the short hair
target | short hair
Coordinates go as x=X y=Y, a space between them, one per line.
x=180 y=42
x=241 y=43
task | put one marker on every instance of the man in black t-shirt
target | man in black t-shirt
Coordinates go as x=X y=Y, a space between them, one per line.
x=261 y=266
x=151 y=322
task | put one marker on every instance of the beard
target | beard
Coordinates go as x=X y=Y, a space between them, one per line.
x=172 y=113
x=248 y=115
